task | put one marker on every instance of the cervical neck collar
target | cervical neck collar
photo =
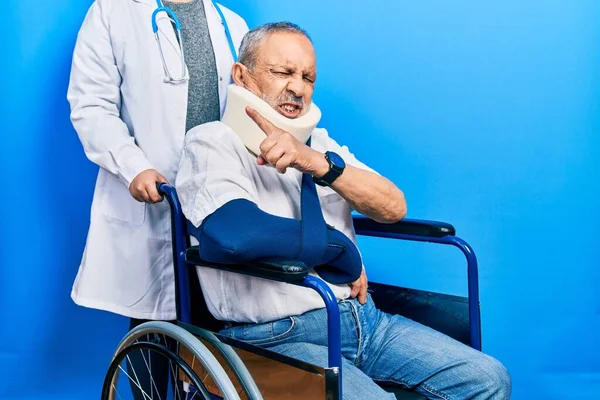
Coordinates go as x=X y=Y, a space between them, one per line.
x=251 y=135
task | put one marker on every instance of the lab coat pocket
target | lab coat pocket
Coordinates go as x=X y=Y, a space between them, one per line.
x=117 y=202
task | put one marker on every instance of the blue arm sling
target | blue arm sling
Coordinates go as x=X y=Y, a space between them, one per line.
x=240 y=232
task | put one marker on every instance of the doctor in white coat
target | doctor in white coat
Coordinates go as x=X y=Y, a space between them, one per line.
x=132 y=123
x=132 y=119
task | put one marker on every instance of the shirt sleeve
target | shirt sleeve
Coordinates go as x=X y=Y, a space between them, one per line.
x=212 y=172
x=331 y=145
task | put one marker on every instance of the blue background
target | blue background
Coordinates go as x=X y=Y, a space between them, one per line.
x=486 y=114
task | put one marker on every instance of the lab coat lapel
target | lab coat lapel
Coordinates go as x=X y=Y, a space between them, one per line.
x=223 y=57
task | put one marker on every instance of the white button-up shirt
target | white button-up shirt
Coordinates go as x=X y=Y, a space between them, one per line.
x=216 y=168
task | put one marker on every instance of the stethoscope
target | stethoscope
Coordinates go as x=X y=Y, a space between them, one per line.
x=171 y=14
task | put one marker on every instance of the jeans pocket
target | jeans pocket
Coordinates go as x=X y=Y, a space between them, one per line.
x=268 y=333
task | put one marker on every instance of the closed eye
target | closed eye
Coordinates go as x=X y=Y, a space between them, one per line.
x=282 y=73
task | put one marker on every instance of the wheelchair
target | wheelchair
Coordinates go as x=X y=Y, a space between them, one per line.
x=202 y=364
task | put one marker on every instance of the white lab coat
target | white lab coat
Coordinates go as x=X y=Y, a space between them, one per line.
x=129 y=120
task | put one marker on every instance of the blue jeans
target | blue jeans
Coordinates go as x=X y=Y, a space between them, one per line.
x=379 y=347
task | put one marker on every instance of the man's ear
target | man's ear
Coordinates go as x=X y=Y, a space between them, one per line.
x=239 y=73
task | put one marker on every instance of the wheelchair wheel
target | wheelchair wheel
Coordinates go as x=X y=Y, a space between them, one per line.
x=158 y=342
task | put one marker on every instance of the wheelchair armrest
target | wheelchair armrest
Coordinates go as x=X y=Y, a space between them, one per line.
x=415 y=227
x=275 y=269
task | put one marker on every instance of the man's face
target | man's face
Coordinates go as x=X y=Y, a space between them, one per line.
x=284 y=73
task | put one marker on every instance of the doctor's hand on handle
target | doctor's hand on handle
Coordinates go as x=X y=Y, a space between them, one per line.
x=143 y=186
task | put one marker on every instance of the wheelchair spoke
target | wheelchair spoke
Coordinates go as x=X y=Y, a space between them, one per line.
x=206 y=375
x=194 y=395
x=176 y=392
x=149 y=367
x=136 y=382
x=116 y=391
x=176 y=372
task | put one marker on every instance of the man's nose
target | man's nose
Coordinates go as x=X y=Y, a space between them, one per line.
x=297 y=87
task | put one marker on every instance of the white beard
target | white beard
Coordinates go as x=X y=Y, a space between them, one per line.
x=250 y=134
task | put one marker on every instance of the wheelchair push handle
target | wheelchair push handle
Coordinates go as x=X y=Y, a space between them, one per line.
x=167 y=191
x=159 y=187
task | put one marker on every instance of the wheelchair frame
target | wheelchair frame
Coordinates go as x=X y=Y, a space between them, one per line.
x=295 y=272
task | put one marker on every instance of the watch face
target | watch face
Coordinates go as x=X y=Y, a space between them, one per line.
x=336 y=160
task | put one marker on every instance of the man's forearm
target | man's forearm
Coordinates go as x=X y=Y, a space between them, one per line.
x=368 y=193
x=371 y=195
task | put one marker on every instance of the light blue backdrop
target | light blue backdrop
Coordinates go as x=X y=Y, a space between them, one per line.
x=487 y=115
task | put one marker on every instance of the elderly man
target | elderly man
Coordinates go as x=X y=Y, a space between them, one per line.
x=221 y=182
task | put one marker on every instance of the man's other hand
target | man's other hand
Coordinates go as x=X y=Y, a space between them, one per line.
x=359 y=288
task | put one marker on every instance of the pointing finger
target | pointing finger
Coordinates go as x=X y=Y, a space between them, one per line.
x=267 y=127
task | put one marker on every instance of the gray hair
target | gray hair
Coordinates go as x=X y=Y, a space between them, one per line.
x=254 y=38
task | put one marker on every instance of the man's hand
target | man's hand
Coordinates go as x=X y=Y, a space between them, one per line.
x=359 y=288
x=282 y=150
x=143 y=186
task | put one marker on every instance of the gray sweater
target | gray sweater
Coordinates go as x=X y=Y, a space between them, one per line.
x=203 y=93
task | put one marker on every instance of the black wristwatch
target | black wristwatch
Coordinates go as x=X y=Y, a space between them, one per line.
x=336 y=167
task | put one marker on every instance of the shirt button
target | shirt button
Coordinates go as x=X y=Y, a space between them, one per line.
x=221 y=78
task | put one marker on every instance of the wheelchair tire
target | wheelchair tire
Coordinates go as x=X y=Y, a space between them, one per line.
x=134 y=341
x=235 y=364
